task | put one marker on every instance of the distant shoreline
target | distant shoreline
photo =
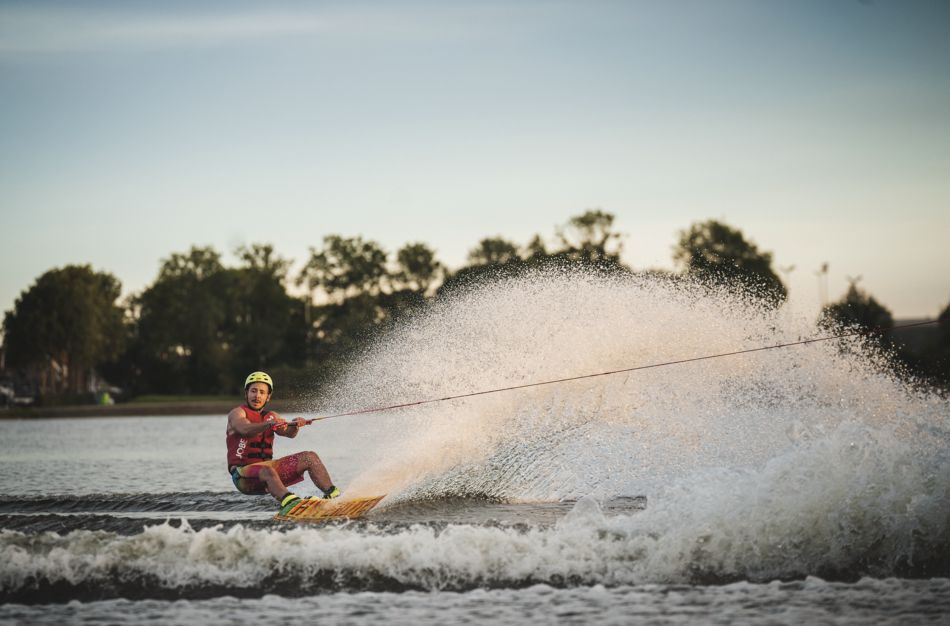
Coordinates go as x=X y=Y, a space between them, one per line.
x=133 y=409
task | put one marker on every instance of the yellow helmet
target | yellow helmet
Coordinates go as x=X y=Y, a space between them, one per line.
x=259 y=377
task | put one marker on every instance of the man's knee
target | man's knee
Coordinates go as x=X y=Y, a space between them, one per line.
x=267 y=474
x=307 y=460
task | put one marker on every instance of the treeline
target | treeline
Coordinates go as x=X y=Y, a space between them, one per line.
x=201 y=326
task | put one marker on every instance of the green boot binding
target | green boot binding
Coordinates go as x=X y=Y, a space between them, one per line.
x=289 y=502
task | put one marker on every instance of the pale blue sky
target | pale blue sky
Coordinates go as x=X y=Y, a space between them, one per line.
x=820 y=128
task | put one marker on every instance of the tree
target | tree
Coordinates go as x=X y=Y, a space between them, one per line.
x=588 y=239
x=179 y=341
x=857 y=308
x=417 y=268
x=352 y=273
x=588 y=242
x=261 y=259
x=493 y=251
x=925 y=350
x=63 y=326
x=535 y=252
x=344 y=327
x=415 y=272
x=719 y=254
x=265 y=326
x=200 y=327
x=493 y=259
x=345 y=266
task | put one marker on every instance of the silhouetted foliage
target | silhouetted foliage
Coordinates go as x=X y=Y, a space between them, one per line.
x=588 y=240
x=265 y=326
x=64 y=325
x=719 y=254
x=345 y=266
x=933 y=362
x=343 y=328
x=922 y=353
x=417 y=268
x=179 y=344
x=475 y=275
x=201 y=326
x=535 y=252
x=858 y=309
x=493 y=251
x=492 y=259
x=351 y=274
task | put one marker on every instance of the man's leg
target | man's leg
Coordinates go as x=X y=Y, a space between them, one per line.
x=272 y=482
x=309 y=462
x=263 y=477
x=290 y=470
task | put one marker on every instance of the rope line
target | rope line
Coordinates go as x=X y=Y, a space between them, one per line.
x=612 y=372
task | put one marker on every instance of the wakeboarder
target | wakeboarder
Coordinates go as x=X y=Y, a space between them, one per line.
x=250 y=440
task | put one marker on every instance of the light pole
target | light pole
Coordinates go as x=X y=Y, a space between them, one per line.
x=822 y=275
x=853 y=282
x=786 y=272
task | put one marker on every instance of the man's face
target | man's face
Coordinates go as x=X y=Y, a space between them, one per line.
x=257 y=395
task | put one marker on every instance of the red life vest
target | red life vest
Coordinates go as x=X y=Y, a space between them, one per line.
x=244 y=450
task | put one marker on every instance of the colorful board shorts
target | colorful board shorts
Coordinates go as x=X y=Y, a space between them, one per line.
x=245 y=477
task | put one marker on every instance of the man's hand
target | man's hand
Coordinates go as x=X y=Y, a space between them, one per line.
x=277 y=424
x=284 y=427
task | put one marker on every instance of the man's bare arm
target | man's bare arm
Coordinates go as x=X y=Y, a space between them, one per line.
x=237 y=420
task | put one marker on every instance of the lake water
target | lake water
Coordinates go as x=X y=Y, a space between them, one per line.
x=801 y=485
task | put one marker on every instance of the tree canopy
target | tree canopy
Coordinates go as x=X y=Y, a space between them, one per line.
x=585 y=241
x=200 y=326
x=65 y=324
x=417 y=268
x=589 y=239
x=178 y=333
x=859 y=309
x=720 y=255
x=493 y=251
x=264 y=324
x=345 y=266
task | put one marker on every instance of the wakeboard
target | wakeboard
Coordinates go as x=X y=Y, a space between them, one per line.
x=316 y=510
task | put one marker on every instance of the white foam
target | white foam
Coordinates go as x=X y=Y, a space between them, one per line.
x=626 y=434
x=857 y=502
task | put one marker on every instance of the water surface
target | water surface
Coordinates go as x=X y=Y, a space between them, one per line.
x=788 y=486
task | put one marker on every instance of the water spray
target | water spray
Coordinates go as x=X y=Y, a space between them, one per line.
x=613 y=372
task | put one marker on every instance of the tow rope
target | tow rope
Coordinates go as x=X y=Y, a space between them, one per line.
x=612 y=372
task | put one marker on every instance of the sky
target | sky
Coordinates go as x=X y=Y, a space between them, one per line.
x=820 y=128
